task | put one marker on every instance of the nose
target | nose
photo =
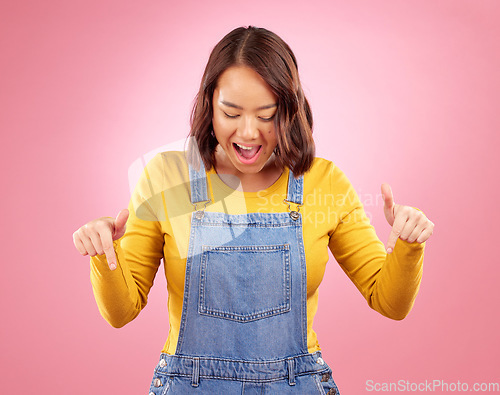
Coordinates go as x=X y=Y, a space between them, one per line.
x=248 y=129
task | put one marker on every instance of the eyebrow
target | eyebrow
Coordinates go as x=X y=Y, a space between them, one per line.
x=229 y=104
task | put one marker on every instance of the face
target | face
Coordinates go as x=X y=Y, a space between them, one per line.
x=244 y=108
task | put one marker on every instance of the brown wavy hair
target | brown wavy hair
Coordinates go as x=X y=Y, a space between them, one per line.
x=272 y=58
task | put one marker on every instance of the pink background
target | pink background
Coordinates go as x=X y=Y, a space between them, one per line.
x=404 y=92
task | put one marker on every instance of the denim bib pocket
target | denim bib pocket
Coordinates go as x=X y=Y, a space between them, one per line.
x=245 y=283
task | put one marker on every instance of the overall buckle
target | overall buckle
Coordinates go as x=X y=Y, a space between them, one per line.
x=294 y=214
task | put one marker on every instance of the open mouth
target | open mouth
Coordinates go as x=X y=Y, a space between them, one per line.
x=247 y=154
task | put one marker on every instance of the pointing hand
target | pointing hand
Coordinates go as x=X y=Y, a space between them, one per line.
x=97 y=236
x=407 y=223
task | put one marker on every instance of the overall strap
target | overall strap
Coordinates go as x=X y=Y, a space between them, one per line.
x=294 y=195
x=295 y=187
x=198 y=183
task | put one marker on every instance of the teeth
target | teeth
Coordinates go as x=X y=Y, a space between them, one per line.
x=243 y=147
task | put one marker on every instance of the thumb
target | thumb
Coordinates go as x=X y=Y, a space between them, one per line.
x=120 y=222
x=388 y=203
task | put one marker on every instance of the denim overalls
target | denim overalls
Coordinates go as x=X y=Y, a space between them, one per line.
x=244 y=314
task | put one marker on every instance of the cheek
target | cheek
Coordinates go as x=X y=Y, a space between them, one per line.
x=272 y=137
x=220 y=124
x=222 y=130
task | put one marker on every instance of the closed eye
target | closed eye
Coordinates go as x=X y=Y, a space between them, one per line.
x=230 y=116
x=264 y=119
x=269 y=119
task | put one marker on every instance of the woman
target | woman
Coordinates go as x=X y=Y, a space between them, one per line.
x=244 y=223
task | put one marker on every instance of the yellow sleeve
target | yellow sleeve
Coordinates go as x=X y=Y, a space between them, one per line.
x=122 y=293
x=389 y=282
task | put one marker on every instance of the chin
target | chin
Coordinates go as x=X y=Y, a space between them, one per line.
x=254 y=169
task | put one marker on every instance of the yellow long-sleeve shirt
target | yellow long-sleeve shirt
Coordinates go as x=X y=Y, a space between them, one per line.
x=333 y=217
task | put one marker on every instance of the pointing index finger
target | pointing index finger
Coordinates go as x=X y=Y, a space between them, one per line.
x=397 y=228
x=109 y=251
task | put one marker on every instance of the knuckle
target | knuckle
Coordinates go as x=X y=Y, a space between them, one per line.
x=79 y=232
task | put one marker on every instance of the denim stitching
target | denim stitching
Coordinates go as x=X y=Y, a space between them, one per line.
x=189 y=376
x=314 y=355
x=198 y=184
x=319 y=386
x=291 y=371
x=281 y=219
x=195 y=378
x=304 y=284
x=184 y=367
x=281 y=308
x=186 y=289
x=167 y=386
x=249 y=248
